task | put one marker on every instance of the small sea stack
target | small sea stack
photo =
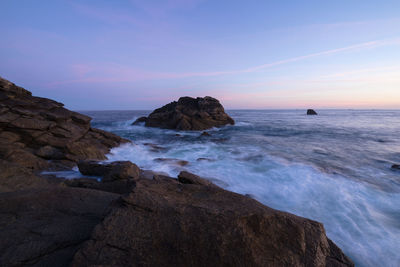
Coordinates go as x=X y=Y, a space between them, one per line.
x=311 y=112
x=189 y=114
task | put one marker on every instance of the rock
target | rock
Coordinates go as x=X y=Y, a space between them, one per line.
x=140 y=121
x=155 y=147
x=205 y=159
x=149 y=174
x=49 y=152
x=395 y=167
x=45 y=227
x=205 y=134
x=117 y=170
x=185 y=177
x=167 y=223
x=311 y=112
x=172 y=161
x=115 y=186
x=35 y=132
x=190 y=114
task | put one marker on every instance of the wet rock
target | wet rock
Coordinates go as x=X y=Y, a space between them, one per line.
x=148 y=174
x=185 y=177
x=167 y=223
x=311 y=112
x=117 y=170
x=395 y=167
x=205 y=159
x=190 y=114
x=155 y=147
x=205 y=134
x=140 y=121
x=172 y=161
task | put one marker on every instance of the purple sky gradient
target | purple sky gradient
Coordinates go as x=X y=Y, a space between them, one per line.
x=94 y=55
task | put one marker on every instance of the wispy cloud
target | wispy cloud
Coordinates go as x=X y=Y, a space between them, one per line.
x=99 y=73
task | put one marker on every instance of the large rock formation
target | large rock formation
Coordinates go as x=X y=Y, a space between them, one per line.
x=164 y=222
x=189 y=114
x=39 y=133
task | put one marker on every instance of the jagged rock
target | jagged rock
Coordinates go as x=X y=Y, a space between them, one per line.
x=39 y=133
x=117 y=170
x=167 y=223
x=190 y=114
x=311 y=112
x=140 y=121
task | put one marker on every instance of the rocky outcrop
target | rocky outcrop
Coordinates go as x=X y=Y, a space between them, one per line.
x=167 y=223
x=311 y=112
x=39 y=133
x=188 y=114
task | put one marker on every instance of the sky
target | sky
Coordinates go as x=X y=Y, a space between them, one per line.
x=132 y=54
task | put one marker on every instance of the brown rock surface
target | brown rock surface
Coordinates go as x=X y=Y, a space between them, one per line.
x=39 y=133
x=189 y=114
x=167 y=223
x=117 y=170
x=45 y=227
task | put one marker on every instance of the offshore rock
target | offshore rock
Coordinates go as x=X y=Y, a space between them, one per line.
x=189 y=114
x=311 y=112
x=163 y=222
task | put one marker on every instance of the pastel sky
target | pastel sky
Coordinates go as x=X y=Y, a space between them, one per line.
x=140 y=54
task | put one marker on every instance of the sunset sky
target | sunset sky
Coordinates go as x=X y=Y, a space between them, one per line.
x=94 y=55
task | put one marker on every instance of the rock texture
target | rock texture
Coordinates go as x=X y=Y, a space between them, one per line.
x=189 y=114
x=39 y=133
x=46 y=226
x=167 y=223
x=311 y=112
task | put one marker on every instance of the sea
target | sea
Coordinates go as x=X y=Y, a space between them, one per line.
x=334 y=168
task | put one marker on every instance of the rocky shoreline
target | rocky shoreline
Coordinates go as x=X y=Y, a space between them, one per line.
x=131 y=217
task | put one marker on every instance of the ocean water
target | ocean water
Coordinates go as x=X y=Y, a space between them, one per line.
x=333 y=168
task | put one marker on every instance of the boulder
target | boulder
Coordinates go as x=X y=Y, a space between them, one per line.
x=189 y=114
x=311 y=112
x=117 y=170
x=166 y=223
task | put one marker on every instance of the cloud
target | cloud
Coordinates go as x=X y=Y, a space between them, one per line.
x=100 y=73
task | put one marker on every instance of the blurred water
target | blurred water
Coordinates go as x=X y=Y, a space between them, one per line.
x=333 y=168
